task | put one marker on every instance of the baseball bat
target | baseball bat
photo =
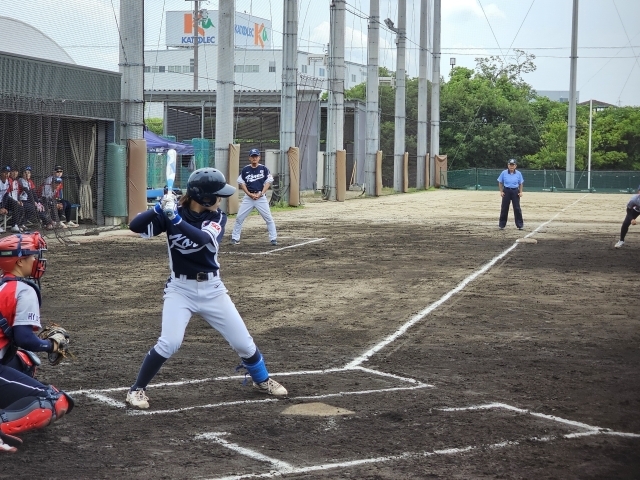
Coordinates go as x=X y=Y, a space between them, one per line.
x=171 y=169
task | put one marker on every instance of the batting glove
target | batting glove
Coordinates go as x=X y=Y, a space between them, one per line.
x=169 y=197
x=171 y=211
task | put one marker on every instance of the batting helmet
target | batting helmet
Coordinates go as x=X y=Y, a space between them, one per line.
x=14 y=247
x=205 y=185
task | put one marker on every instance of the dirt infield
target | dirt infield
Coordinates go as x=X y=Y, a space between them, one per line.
x=415 y=338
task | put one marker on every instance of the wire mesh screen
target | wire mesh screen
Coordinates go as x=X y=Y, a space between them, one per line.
x=43 y=169
x=546 y=180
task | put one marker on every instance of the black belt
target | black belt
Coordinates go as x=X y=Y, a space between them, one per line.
x=512 y=188
x=257 y=191
x=200 y=276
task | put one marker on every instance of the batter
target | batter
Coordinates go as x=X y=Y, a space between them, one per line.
x=194 y=229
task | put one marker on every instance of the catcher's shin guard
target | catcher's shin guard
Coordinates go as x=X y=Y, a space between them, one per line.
x=256 y=367
x=31 y=413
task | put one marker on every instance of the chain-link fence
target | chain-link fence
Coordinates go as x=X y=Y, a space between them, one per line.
x=544 y=180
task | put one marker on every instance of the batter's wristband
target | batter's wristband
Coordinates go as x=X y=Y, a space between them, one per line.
x=158 y=208
x=177 y=219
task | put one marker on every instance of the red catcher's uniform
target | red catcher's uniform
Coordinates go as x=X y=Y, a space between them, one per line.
x=19 y=305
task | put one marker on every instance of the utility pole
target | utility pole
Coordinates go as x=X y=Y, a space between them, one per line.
x=435 y=91
x=373 y=114
x=132 y=69
x=571 y=123
x=590 y=128
x=196 y=16
x=289 y=92
x=401 y=108
x=423 y=103
x=224 y=86
x=335 y=112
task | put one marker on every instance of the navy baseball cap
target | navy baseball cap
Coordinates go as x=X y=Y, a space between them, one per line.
x=253 y=152
x=27 y=169
x=6 y=169
x=512 y=162
x=58 y=168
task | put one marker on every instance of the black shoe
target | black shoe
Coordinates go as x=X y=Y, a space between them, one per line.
x=274 y=242
x=234 y=242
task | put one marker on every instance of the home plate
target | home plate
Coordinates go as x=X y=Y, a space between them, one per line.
x=526 y=240
x=316 y=409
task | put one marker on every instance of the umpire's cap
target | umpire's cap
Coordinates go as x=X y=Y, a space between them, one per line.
x=513 y=162
x=206 y=184
x=254 y=152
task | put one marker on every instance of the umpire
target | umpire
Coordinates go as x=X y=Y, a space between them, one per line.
x=510 y=183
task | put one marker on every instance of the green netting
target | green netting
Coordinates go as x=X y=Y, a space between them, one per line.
x=115 y=183
x=203 y=149
x=544 y=180
x=204 y=156
x=156 y=163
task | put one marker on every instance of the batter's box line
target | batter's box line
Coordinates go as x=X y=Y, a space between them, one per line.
x=269 y=252
x=590 y=429
x=99 y=395
x=280 y=468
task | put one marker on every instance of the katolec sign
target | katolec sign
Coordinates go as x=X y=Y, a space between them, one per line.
x=249 y=31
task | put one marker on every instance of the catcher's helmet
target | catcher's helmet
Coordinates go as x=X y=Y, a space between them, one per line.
x=205 y=185
x=13 y=247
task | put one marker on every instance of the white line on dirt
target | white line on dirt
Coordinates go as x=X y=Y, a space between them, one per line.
x=291 y=470
x=269 y=252
x=591 y=430
x=247 y=452
x=422 y=314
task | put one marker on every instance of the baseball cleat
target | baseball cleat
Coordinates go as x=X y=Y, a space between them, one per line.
x=274 y=242
x=619 y=244
x=234 y=242
x=138 y=398
x=271 y=387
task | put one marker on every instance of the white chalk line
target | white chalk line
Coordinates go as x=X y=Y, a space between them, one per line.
x=423 y=313
x=283 y=468
x=269 y=252
x=591 y=429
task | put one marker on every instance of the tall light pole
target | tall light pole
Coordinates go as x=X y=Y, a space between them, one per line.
x=373 y=115
x=423 y=103
x=571 y=123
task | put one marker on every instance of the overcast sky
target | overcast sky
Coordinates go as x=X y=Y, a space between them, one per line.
x=608 y=35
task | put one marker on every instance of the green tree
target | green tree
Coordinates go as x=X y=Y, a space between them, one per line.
x=155 y=125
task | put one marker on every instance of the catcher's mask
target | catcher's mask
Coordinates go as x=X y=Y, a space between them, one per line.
x=14 y=247
x=205 y=185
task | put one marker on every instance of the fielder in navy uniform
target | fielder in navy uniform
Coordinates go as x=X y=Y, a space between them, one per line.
x=194 y=230
x=254 y=180
x=510 y=183
x=633 y=211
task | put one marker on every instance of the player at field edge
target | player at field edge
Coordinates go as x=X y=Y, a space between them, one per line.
x=194 y=231
x=633 y=210
x=510 y=183
x=254 y=180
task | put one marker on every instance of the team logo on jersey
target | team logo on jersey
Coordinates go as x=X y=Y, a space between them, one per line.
x=185 y=246
x=255 y=176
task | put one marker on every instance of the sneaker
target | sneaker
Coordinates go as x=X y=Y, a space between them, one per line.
x=234 y=242
x=62 y=225
x=271 y=387
x=72 y=224
x=138 y=398
x=274 y=242
x=520 y=228
x=501 y=228
x=619 y=244
x=15 y=229
x=7 y=448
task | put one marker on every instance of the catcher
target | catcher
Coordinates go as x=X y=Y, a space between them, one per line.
x=26 y=403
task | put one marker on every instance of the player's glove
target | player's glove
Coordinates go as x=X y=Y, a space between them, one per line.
x=59 y=339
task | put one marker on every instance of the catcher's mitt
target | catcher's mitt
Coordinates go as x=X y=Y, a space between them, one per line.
x=60 y=340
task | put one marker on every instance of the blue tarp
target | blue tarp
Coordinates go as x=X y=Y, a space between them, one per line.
x=157 y=144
